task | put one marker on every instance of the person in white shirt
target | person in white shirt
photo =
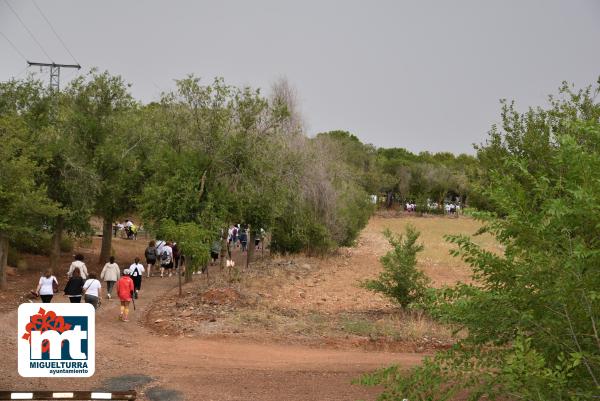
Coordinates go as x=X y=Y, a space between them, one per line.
x=166 y=259
x=110 y=274
x=45 y=288
x=92 y=290
x=78 y=262
x=136 y=271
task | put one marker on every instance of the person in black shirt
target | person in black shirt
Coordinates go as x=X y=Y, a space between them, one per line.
x=74 y=286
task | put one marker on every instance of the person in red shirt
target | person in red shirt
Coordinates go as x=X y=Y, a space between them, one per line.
x=125 y=290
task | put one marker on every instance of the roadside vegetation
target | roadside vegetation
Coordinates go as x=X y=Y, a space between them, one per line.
x=513 y=314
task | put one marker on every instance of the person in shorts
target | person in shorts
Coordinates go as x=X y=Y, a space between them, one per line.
x=166 y=260
x=151 y=254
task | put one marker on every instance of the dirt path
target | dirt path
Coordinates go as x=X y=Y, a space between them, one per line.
x=173 y=368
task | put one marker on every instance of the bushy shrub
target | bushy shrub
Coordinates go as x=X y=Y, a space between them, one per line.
x=40 y=244
x=400 y=279
x=353 y=216
x=300 y=232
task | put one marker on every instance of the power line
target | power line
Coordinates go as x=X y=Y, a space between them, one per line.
x=28 y=31
x=55 y=33
x=13 y=46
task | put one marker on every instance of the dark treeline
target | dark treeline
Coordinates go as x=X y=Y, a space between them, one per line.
x=397 y=175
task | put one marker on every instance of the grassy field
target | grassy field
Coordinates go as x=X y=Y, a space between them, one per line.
x=435 y=259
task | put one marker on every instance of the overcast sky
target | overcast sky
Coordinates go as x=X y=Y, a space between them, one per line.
x=424 y=75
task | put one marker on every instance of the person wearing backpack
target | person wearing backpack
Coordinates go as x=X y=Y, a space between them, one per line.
x=110 y=274
x=47 y=286
x=74 y=287
x=150 y=253
x=166 y=259
x=176 y=256
x=125 y=289
x=136 y=271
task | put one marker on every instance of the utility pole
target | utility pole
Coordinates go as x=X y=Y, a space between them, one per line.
x=54 y=72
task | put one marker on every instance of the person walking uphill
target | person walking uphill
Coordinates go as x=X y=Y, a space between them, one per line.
x=78 y=263
x=74 y=287
x=125 y=290
x=47 y=286
x=151 y=255
x=92 y=290
x=136 y=271
x=110 y=274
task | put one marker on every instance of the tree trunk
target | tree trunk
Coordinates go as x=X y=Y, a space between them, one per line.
x=3 y=260
x=106 y=240
x=251 y=240
x=389 y=199
x=188 y=274
x=223 y=253
x=55 y=245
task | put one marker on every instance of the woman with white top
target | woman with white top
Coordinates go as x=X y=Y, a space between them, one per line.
x=136 y=271
x=78 y=263
x=110 y=274
x=46 y=285
x=92 y=290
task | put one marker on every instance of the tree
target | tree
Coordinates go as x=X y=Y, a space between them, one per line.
x=400 y=279
x=63 y=172
x=105 y=123
x=24 y=203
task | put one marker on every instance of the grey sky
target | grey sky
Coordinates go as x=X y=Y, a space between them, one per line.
x=424 y=75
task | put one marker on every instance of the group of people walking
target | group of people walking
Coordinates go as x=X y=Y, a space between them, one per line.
x=166 y=255
x=87 y=286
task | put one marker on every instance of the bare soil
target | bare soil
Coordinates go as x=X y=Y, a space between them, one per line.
x=287 y=329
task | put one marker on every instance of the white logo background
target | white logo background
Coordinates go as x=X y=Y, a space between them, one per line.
x=56 y=367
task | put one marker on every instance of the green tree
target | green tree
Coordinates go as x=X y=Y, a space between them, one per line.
x=400 y=279
x=24 y=203
x=105 y=123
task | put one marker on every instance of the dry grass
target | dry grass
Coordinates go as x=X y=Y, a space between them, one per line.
x=319 y=301
x=435 y=260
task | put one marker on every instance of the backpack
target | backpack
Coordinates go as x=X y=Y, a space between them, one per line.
x=150 y=253
x=164 y=256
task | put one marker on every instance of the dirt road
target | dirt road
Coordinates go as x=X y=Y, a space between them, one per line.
x=174 y=368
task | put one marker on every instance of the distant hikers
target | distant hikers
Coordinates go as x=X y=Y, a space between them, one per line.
x=243 y=238
x=74 y=287
x=79 y=264
x=125 y=289
x=151 y=254
x=47 y=286
x=110 y=274
x=136 y=271
x=92 y=290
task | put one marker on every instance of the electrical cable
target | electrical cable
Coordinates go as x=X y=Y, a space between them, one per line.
x=28 y=31
x=55 y=33
x=13 y=46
